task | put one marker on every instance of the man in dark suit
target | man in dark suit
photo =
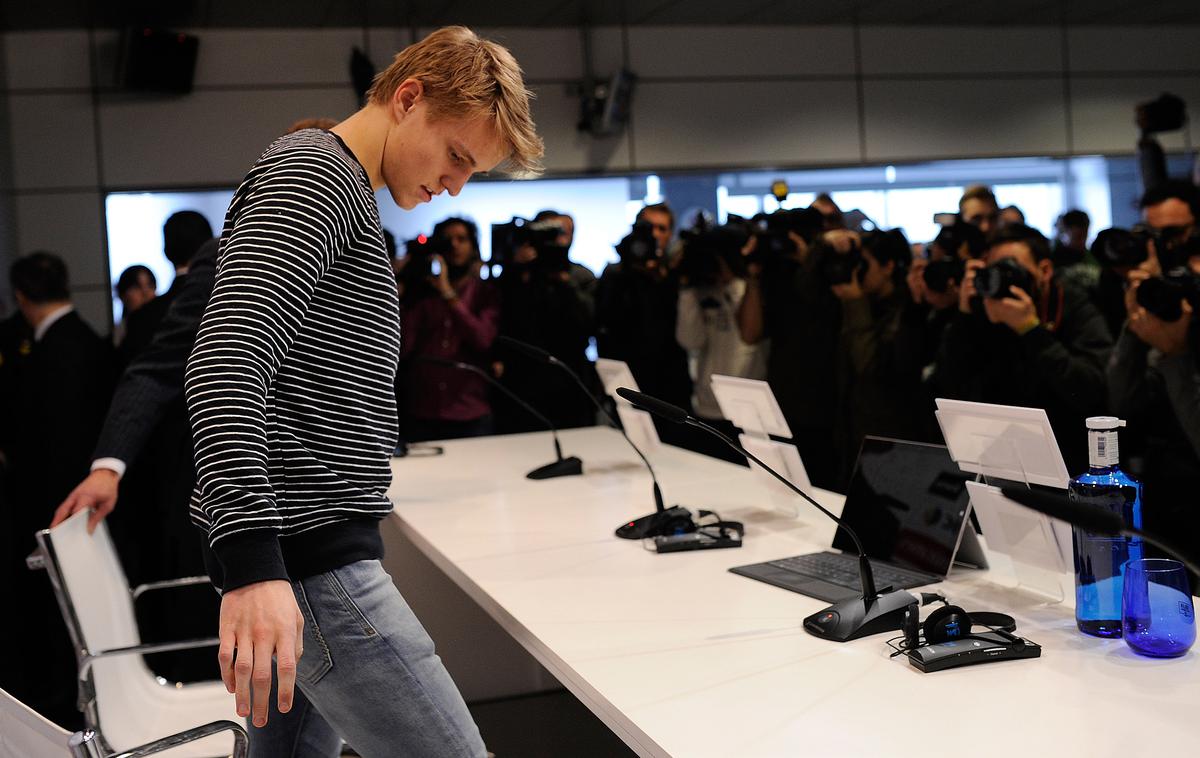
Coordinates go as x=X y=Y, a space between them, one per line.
x=59 y=392
x=146 y=432
x=183 y=234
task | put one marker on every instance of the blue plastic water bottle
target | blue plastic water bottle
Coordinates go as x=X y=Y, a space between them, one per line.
x=1100 y=559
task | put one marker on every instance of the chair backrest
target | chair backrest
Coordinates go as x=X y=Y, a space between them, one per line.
x=97 y=606
x=25 y=734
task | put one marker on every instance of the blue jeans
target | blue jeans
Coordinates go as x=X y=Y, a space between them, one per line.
x=368 y=675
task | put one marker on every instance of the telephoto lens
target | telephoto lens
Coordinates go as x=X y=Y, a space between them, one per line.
x=1162 y=296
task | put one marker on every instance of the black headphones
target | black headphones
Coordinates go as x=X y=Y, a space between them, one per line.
x=953 y=623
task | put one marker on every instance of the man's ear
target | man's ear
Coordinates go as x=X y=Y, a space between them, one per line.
x=405 y=98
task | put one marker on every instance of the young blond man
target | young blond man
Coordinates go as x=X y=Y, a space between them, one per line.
x=289 y=390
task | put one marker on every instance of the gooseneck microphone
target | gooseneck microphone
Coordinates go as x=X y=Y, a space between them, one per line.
x=1092 y=518
x=664 y=520
x=874 y=612
x=561 y=466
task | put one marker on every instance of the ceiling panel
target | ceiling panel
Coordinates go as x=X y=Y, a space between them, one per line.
x=60 y=14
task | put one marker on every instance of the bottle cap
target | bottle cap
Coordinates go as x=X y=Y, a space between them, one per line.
x=1104 y=423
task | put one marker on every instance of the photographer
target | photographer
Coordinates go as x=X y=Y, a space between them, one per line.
x=1154 y=383
x=788 y=302
x=877 y=370
x=447 y=312
x=636 y=302
x=1021 y=338
x=933 y=285
x=978 y=207
x=544 y=305
x=1073 y=264
x=712 y=284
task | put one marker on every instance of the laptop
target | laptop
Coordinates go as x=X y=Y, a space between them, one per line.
x=908 y=503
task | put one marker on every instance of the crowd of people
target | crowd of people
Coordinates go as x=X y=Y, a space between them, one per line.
x=857 y=331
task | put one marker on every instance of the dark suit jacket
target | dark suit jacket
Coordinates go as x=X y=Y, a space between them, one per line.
x=60 y=391
x=142 y=324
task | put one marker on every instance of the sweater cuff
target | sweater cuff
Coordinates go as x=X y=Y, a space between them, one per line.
x=250 y=558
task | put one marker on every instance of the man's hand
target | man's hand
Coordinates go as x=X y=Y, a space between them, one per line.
x=1017 y=312
x=967 y=292
x=1169 y=337
x=259 y=621
x=98 y=492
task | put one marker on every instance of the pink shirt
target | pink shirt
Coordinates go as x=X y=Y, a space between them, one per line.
x=459 y=330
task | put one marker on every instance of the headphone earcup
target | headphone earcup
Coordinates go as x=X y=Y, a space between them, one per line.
x=947 y=623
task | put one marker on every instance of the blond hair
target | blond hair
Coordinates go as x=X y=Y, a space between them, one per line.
x=465 y=77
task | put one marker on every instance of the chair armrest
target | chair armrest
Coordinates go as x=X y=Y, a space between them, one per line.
x=184 y=581
x=87 y=744
x=86 y=661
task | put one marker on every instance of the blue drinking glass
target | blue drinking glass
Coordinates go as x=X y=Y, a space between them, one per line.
x=1157 y=615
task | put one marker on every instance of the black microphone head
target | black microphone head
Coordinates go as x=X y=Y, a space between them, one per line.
x=1087 y=516
x=660 y=408
x=526 y=349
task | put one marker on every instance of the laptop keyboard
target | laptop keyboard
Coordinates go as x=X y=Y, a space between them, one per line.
x=842 y=569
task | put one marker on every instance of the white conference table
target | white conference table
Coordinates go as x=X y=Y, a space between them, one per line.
x=681 y=658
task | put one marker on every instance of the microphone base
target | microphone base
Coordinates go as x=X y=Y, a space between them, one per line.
x=851 y=619
x=673 y=520
x=565 y=467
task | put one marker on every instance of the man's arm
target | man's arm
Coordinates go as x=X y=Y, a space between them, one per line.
x=285 y=236
x=689 y=321
x=148 y=386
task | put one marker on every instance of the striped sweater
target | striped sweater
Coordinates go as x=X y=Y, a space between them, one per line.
x=290 y=384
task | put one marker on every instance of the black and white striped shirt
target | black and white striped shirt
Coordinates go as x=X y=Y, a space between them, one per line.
x=290 y=384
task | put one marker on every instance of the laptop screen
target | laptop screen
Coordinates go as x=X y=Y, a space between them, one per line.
x=907 y=502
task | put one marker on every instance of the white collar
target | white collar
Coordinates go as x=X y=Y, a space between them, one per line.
x=50 y=321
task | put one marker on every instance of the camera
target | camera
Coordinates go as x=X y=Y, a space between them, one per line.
x=956 y=239
x=1120 y=248
x=542 y=236
x=420 y=252
x=705 y=250
x=772 y=231
x=995 y=281
x=639 y=245
x=1161 y=295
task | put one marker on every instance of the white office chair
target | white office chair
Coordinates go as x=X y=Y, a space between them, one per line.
x=122 y=701
x=24 y=733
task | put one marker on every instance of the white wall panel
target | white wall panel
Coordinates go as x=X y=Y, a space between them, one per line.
x=1133 y=48
x=40 y=60
x=745 y=124
x=960 y=49
x=681 y=51
x=53 y=140
x=1103 y=111
x=205 y=138
x=275 y=56
x=908 y=120
x=67 y=224
x=556 y=112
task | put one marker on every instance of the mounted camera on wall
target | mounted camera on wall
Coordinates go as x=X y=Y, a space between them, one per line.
x=604 y=105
